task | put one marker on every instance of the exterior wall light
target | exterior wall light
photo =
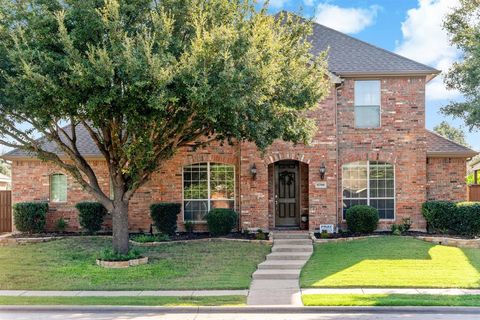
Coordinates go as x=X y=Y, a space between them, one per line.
x=253 y=171
x=322 y=171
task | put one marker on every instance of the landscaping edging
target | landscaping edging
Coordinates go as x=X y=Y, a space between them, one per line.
x=9 y=241
x=334 y=240
x=455 y=242
x=122 y=264
x=153 y=244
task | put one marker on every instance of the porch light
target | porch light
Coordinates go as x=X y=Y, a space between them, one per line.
x=253 y=171
x=322 y=171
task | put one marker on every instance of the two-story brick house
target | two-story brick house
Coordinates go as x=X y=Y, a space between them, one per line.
x=371 y=147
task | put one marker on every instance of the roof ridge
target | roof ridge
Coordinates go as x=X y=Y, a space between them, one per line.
x=450 y=140
x=435 y=71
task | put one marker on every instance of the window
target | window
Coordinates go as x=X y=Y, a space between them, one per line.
x=367 y=104
x=371 y=183
x=207 y=186
x=58 y=188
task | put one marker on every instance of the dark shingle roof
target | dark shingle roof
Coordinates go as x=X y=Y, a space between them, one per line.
x=85 y=145
x=348 y=55
x=441 y=146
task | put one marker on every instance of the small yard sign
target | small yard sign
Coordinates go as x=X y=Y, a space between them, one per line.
x=320 y=185
x=326 y=228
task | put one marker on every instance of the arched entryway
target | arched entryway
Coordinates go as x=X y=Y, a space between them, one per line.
x=288 y=194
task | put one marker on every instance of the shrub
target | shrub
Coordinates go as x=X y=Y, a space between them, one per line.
x=395 y=228
x=260 y=235
x=91 y=215
x=144 y=238
x=362 y=219
x=30 y=216
x=112 y=255
x=221 y=221
x=164 y=216
x=61 y=225
x=406 y=225
x=189 y=226
x=461 y=218
x=439 y=215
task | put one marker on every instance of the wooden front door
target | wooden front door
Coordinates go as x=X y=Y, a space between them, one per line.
x=286 y=195
x=5 y=211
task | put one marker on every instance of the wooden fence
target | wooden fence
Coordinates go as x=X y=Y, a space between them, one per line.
x=5 y=211
x=474 y=192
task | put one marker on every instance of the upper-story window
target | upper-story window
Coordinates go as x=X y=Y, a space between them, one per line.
x=367 y=103
x=58 y=187
x=206 y=186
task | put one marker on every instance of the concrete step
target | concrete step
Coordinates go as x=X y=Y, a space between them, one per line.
x=276 y=274
x=289 y=256
x=292 y=248
x=281 y=264
x=292 y=242
x=291 y=235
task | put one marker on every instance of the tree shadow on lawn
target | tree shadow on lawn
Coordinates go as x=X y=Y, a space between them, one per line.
x=391 y=262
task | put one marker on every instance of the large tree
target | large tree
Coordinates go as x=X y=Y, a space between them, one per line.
x=463 y=25
x=450 y=132
x=147 y=77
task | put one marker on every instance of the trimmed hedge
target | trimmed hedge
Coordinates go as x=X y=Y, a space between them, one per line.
x=30 y=216
x=90 y=215
x=164 y=216
x=221 y=221
x=362 y=219
x=462 y=218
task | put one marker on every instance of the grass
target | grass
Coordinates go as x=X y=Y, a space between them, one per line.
x=127 y=301
x=391 y=262
x=69 y=264
x=390 y=300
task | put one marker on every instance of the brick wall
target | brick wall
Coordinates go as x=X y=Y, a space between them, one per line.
x=446 y=179
x=400 y=141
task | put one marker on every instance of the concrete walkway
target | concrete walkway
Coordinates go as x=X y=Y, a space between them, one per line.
x=276 y=280
x=453 y=291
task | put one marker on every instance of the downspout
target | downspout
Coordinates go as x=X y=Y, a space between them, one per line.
x=340 y=86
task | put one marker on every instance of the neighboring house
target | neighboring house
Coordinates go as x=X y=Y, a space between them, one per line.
x=5 y=182
x=371 y=147
x=474 y=168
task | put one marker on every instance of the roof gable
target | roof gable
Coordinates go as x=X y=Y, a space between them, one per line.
x=440 y=146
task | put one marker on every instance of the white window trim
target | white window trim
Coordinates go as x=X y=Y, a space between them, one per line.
x=50 y=185
x=368 y=192
x=355 y=106
x=209 y=200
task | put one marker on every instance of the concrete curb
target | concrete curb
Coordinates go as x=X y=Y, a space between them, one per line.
x=246 y=309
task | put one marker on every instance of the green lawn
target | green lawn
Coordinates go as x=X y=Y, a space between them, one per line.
x=390 y=300
x=391 y=262
x=127 y=301
x=69 y=264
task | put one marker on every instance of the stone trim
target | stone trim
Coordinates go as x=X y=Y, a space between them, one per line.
x=454 y=242
x=22 y=241
x=153 y=244
x=122 y=264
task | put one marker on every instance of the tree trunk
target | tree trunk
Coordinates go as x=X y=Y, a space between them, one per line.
x=120 y=226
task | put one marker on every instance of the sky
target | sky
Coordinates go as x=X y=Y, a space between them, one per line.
x=411 y=28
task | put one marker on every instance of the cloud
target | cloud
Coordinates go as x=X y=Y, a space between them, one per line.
x=277 y=4
x=308 y=3
x=348 y=20
x=424 y=40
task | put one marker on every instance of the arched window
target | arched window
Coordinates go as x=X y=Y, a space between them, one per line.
x=206 y=186
x=58 y=187
x=371 y=183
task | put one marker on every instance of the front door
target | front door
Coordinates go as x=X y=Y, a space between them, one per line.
x=286 y=195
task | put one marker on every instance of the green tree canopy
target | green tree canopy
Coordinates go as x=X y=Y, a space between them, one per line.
x=147 y=77
x=446 y=130
x=463 y=25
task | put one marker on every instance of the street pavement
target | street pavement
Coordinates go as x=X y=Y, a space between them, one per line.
x=235 y=314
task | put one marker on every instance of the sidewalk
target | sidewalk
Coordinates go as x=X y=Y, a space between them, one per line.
x=211 y=293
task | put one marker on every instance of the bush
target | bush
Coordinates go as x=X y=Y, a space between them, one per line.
x=90 y=215
x=61 y=225
x=406 y=225
x=112 y=255
x=439 y=215
x=164 y=216
x=144 y=238
x=30 y=216
x=260 y=235
x=221 y=221
x=189 y=226
x=461 y=218
x=362 y=219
